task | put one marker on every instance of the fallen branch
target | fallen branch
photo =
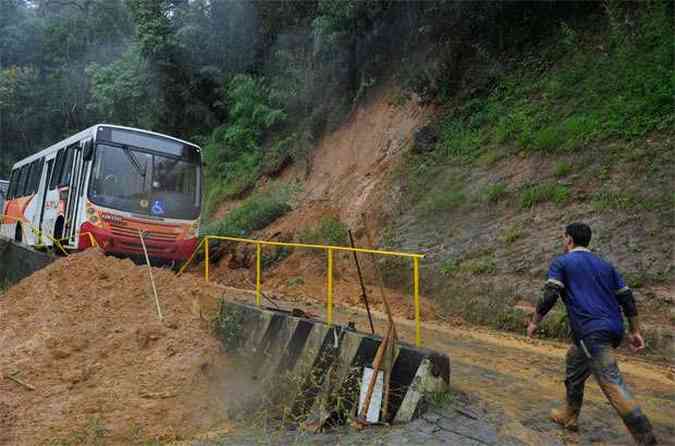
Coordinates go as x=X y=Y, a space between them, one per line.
x=20 y=382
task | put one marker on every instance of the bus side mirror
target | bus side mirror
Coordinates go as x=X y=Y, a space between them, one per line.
x=88 y=150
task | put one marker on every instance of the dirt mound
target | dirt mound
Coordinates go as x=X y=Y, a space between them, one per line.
x=84 y=332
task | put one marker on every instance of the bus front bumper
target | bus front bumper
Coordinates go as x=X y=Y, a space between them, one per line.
x=117 y=244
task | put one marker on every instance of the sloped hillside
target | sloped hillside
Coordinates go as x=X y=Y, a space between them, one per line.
x=577 y=128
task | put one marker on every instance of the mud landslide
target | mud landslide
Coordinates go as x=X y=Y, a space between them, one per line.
x=84 y=332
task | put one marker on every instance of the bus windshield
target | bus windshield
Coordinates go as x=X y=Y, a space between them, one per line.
x=146 y=183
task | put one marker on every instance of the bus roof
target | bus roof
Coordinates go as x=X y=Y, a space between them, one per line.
x=87 y=133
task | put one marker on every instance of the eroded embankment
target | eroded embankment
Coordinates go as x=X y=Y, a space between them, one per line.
x=84 y=332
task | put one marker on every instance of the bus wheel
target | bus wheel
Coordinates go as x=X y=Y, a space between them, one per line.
x=18 y=233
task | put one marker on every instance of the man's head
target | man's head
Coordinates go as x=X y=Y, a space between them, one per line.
x=576 y=234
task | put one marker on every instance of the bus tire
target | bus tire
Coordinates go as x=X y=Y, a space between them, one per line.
x=18 y=233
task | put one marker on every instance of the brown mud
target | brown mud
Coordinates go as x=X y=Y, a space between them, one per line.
x=84 y=332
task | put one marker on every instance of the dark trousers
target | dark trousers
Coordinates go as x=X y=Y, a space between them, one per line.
x=595 y=355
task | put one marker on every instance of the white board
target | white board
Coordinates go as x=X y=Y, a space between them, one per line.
x=373 y=415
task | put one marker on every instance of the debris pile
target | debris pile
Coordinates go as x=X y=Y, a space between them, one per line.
x=84 y=353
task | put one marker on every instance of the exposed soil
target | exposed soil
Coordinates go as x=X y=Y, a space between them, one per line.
x=85 y=333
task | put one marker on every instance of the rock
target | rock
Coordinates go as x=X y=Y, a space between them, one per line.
x=425 y=138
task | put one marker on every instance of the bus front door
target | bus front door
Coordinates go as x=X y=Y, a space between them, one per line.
x=42 y=194
x=73 y=198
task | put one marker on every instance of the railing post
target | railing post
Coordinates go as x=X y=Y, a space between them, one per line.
x=206 y=259
x=258 y=272
x=329 y=310
x=416 y=297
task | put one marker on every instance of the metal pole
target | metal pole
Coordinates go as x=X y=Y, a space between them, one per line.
x=364 y=294
x=330 y=287
x=416 y=298
x=258 y=272
x=152 y=280
x=206 y=259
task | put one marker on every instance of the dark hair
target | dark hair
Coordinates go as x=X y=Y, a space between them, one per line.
x=580 y=233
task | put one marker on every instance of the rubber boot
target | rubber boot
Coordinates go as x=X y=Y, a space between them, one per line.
x=566 y=417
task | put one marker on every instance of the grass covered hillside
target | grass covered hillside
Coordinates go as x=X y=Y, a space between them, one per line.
x=579 y=128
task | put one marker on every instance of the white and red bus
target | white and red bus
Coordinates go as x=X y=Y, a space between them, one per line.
x=110 y=182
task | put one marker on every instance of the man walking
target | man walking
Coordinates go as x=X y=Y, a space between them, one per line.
x=594 y=294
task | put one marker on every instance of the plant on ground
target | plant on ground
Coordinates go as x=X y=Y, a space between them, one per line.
x=449 y=266
x=485 y=264
x=227 y=326
x=494 y=192
x=512 y=233
x=256 y=212
x=275 y=255
x=605 y=199
x=562 y=168
x=545 y=192
x=329 y=231
x=93 y=434
x=295 y=281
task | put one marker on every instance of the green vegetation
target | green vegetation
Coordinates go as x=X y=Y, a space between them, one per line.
x=483 y=262
x=94 y=434
x=447 y=194
x=596 y=88
x=545 y=192
x=494 y=193
x=511 y=234
x=295 y=281
x=234 y=154
x=256 y=212
x=227 y=326
x=606 y=199
x=272 y=256
x=562 y=168
x=329 y=231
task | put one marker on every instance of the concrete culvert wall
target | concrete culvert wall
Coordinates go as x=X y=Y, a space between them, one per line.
x=311 y=373
x=18 y=261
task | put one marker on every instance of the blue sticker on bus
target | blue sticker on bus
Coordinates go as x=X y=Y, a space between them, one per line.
x=157 y=208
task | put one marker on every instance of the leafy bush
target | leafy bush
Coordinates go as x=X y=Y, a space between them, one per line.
x=256 y=212
x=330 y=231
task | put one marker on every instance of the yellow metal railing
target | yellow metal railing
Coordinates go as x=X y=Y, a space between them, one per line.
x=330 y=251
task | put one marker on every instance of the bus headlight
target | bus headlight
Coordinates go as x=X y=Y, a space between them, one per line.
x=193 y=230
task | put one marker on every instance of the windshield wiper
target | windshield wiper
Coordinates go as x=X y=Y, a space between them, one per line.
x=134 y=161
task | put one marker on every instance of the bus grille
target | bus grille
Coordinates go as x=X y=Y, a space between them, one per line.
x=158 y=236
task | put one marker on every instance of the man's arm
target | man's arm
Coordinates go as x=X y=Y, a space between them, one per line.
x=549 y=297
x=627 y=302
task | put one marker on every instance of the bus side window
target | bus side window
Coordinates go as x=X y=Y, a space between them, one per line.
x=67 y=167
x=35 y=175
x=58 y=168
x=12 y=184
x=23 y=180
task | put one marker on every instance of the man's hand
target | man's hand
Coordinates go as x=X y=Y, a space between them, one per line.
x=635 y=342
x=531 y=329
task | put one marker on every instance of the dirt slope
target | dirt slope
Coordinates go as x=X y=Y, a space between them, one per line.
x=85 y=333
